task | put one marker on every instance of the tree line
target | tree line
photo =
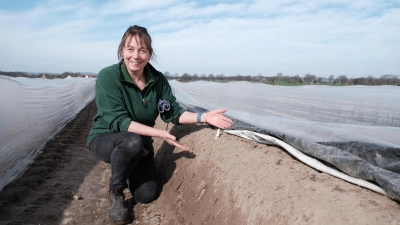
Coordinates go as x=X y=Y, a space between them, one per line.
x=279 y=78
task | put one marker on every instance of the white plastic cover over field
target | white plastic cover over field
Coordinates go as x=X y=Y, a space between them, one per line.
x=32 y=111
x=353 y=131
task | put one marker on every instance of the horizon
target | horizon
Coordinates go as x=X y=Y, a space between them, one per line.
x=174 y=76
x=231 y=37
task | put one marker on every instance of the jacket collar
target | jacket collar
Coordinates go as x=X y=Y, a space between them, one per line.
x=150 y=73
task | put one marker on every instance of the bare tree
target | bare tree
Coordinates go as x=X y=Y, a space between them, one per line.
x=176 y=76
x=186 y=77
x=239 y=77
x=343 y=79
x=390 y=79
x=168 y=75
x=331 y=78
x=308 y=78
x=220 y=77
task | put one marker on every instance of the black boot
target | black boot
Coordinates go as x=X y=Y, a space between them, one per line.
x=117 y=212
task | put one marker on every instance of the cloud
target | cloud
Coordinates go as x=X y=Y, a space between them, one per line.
x=318 y=40
x=129 y=6
x=356 y=38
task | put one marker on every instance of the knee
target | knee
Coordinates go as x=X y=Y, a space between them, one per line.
x=147 y=192
x=132 y=143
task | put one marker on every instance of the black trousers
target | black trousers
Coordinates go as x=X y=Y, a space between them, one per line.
x=131 y=165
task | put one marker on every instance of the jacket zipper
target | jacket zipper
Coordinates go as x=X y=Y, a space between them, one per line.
x=148 y=89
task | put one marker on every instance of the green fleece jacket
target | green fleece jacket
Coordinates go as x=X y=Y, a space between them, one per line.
x=120 y=101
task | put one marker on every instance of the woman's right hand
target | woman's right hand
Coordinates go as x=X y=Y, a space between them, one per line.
x=153 y=132
x=171 y=139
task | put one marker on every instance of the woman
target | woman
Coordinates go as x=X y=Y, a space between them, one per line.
x=127 y=97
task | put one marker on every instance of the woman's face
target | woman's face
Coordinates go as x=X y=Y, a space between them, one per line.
x=135 y=55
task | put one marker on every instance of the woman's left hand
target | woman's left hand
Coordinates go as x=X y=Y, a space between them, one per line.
x=215 y=118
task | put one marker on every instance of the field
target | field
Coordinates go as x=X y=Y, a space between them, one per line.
x=228 y=180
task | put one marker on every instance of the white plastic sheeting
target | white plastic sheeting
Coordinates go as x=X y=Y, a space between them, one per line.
x=370 y=111
x=355 y=129
x=32 y=111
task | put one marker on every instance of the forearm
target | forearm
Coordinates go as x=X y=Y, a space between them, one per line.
x=144 y=130
x=189 y=118
x=152 y=132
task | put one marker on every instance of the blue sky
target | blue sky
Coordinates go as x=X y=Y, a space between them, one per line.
x=249 y=37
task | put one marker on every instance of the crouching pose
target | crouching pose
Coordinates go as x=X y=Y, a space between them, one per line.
x=130 y=95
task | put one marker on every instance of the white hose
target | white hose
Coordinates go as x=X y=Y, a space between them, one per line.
x=266 y=139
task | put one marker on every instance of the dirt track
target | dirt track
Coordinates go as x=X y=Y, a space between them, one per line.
x=228 y=180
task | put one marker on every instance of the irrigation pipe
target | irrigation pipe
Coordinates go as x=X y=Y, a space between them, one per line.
x=266 y=139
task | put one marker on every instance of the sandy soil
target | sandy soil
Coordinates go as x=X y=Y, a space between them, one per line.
x=228 y=180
